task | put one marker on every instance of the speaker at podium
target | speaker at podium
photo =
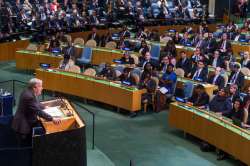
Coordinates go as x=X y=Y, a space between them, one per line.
x=63 y=144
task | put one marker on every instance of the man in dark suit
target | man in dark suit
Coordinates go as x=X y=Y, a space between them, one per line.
x=94 y=36
x=185 y=40
x=200 y=72
x=211 y=44
x=237 y=77
x=28 y=110
x=184 y=63
x=225 y=46
x=217 y=61
x=93 y=18
x=147 y=58
x=69 y=50
x=201 y=43
x=217 y=79
x=124 y=33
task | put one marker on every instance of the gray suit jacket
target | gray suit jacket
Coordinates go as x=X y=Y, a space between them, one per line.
x=28 y=110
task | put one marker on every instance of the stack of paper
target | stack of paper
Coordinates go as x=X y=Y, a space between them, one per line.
x=54 y=112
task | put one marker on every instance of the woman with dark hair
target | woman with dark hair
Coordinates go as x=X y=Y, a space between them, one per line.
x=170 y=49
x=148 y=68
x=150 y=85
x=246 y=117
x=177 y=38
x=144 y=48
x=237 y=111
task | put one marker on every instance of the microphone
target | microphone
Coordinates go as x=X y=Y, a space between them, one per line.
x=65 y=106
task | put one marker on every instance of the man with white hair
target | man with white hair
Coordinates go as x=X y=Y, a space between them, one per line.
x=28 y=109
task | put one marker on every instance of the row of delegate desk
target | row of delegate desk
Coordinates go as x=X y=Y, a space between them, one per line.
x=31 y=60
x=97 y=89
x=214 y=129
x=7 y=49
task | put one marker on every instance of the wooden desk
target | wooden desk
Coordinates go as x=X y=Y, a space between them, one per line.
x=101 y=54
x=212 y=129
x=239 y=47
x=31 y=60
x=8 y=49
x=209 y=88
x=128 y=98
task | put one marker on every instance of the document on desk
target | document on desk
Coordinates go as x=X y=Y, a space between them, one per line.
x=54 y=112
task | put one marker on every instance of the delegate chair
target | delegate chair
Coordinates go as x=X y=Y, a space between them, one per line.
x=245 y=71
x=75 y=69
x=90 y=72
x=119 y=68
x=136 y=71
x=86 y=56
x=79 y=41
x=90 y=43
x=32 y=47
x=111 y=45
x=155 y=51
x=179 y=72
x=188 y=89
x=136 y=59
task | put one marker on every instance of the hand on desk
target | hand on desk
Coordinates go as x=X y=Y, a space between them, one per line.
x=202 y=107
x=189 y=103
x=218 y=113
x=56 y=121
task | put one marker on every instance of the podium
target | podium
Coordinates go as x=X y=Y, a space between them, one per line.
x=63 y=144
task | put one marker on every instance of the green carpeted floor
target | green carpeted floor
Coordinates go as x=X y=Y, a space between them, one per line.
x=147 y=139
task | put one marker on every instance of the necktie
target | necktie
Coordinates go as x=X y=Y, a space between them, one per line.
x=215 y=63
x=209 y=42
x=234 y=78
x=196 y=75
x=199 y=44
x=68 y=51
x=215 y=78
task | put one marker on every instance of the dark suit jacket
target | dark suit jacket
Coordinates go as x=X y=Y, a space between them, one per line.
x=203 y=74
x=239 y=80
x=220 y=82
x=186 y=65
x=228 y=46
x=211 y=45
x=219 y=63
x=28 y=110
x=124 y=34
x=153 y=62
x=96 y=38
x=201 y=100
x=247 y=65
x=69 y=51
